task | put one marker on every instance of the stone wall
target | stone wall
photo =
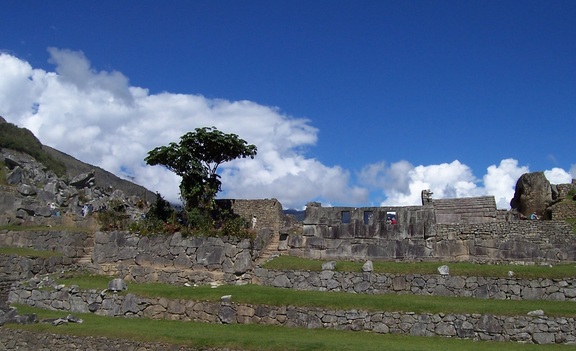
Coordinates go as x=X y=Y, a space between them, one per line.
x=15 y=268
x=71 y=244
x=466 y=210
x=563 y=210
x=16 y=339
x=171 y=259
x=534 y=241
x=538 y=329
x=367 y=222
x=267 y=212
x=420 y=284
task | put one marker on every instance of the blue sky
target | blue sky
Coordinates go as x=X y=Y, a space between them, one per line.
x=359 y=103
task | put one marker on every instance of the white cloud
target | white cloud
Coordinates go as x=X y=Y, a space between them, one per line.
x=97 y=117
x=500 y=181
x=402 y=183
x=558 y=176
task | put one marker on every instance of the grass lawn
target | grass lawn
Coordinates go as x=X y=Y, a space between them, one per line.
x=259 y=337
x=27 y=252
x=44 y=228
x=565 y=270
x=266 y=295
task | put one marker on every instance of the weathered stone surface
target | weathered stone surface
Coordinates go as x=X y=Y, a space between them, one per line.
x=532 y=194
x=367 y=266
x=486 y=327
x=331 y=265
x=117 y=284
x=243 y=262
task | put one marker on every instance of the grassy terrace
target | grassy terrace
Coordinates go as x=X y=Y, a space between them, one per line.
x=275 y=338
x=260 y=337
x=265 y=295
x=44 y=228
x=27 y=252
x=566 y=270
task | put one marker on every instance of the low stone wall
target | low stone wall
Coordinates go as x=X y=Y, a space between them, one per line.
x=15 y=339
x=538 y=329
x=145 y=254
x=71 y=244
x=532 y=241
x=15 y=268
x=420 y=284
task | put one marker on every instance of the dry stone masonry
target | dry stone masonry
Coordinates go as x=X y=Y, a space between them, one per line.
x=420 y=284
x=533 y=328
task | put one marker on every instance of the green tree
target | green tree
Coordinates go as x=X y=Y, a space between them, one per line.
x=196 y=159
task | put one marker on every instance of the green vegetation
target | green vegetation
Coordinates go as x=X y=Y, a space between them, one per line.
x=54 y=228
x=265 y=295
x=23 y=140
x=252 y=337
x=196 y=159
x=456 y=268
x=27 y=252
x=114 y=217
x=163 y=219
x=3 y=173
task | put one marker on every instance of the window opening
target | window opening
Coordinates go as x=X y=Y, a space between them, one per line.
x=391 y=217
x=345 y=217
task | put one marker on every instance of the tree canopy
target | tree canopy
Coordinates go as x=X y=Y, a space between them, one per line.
x=196 y=159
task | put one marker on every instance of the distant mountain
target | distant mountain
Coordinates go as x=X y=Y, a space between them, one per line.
x=296 y=213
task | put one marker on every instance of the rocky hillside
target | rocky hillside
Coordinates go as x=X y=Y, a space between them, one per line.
x=102 y=177
x=31 y=192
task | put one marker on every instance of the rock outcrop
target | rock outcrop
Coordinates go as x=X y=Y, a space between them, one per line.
x=36 y=195
x=533 y=195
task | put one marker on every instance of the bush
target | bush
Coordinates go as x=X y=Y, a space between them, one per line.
x=147 y=226
x=237 y=227
x=114 y=217
x=161 y=209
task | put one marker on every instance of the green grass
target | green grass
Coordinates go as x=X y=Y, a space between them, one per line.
x=260 y=337
x=266 y=295
x=559 y=271
x=43 y=228
x=27 y=252
x=3 y=173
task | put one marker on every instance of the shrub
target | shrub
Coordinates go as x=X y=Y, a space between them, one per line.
x=114 y=217
x=238 y=227
x=3 y=173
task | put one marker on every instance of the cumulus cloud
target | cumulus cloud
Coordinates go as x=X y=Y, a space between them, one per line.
x=558 y=176
x=99 y=118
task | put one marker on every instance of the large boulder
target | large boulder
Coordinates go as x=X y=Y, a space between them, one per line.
x=533 y=194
